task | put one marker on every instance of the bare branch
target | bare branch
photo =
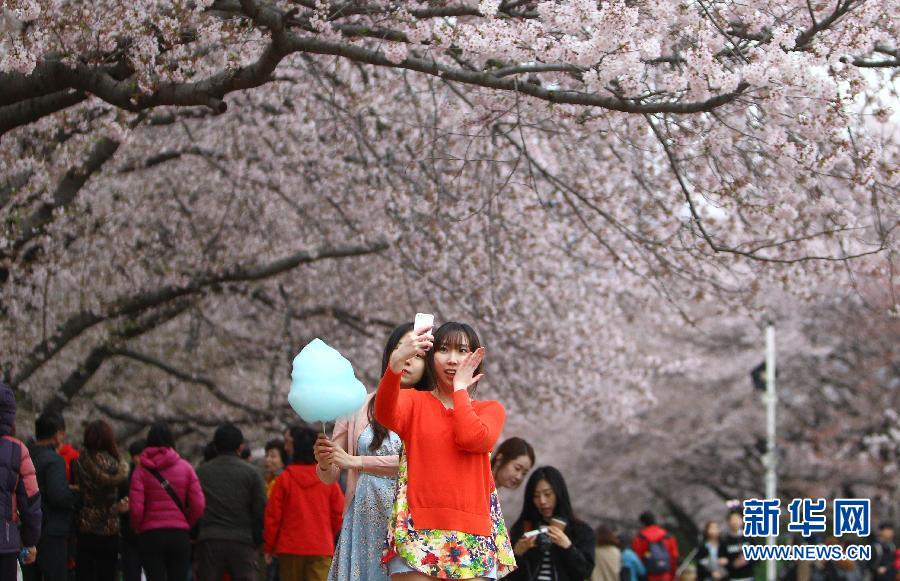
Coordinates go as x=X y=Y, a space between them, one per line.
x=33 y=225
x=752 y=253
x=189 y=377
x=99 y=354
x=135 y=304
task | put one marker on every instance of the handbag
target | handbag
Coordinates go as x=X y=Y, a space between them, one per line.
x=170 y=491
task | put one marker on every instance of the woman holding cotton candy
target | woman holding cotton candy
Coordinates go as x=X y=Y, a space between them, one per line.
x=370 y=454
x=446 y=521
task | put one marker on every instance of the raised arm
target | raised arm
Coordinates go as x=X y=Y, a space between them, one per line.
x=476 y=431
x=391 y=409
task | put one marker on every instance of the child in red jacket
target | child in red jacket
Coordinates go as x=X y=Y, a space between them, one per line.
x=303 y=515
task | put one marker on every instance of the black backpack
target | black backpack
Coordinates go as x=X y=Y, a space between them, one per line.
x=657 y=558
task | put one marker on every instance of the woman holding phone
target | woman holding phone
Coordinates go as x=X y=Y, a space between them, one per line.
x=370 y=454
x=446 y=521
x=549 y=541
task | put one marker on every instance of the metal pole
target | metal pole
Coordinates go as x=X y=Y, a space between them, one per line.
x=771 y=455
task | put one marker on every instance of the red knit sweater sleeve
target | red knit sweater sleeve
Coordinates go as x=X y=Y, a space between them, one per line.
x=393 y=408
x=476 y=431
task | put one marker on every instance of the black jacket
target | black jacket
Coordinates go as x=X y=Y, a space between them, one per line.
x=58 y=501
x=883 y=556
x=706 y=565
x=573 y=564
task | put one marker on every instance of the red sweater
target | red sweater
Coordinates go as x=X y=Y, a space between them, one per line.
x=447 y=453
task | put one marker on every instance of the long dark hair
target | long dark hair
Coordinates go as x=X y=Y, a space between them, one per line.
x=99 y=437
x=509 y=450
x=379 y=432
x=451 y=334
x=530 y=514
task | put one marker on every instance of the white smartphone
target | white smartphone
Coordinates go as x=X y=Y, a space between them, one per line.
x=423 y=321
x=535 y=532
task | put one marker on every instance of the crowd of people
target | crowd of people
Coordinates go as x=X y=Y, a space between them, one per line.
x=406 y=488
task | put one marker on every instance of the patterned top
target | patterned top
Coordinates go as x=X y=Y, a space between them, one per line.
x=447 y=554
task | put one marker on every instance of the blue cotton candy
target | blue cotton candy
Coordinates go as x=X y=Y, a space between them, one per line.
x=323 y=384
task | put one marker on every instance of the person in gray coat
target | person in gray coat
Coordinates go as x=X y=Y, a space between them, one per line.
x=231 y=528
x=58 y=500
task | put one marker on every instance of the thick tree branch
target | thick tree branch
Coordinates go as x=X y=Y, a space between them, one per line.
x=355 y=321
x=128 y=329
x=34 y=224
x=12 y=183
x=133 y=305
x=210 y=92
x=30 y=110
x=209 y=384
x=169 y=155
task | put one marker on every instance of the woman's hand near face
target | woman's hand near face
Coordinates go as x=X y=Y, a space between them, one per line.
x=559 y=538
x=463 y=379
x=410 y=346
x=524 y=544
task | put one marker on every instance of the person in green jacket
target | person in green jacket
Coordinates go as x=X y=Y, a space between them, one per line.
x=230 y=532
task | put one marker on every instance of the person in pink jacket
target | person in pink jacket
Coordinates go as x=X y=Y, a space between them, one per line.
x=371 y=454
x=166 y=500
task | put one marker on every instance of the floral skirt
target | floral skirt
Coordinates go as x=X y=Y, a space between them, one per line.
x=447 y=554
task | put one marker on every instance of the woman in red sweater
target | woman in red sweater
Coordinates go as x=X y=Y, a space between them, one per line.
x=446 y=521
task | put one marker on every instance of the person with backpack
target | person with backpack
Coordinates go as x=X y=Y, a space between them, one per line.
x=20 y=499
x=166 y=500
x=656 y=548
x=58 y=500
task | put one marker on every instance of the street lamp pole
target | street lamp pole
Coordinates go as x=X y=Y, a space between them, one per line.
x=771 y=455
